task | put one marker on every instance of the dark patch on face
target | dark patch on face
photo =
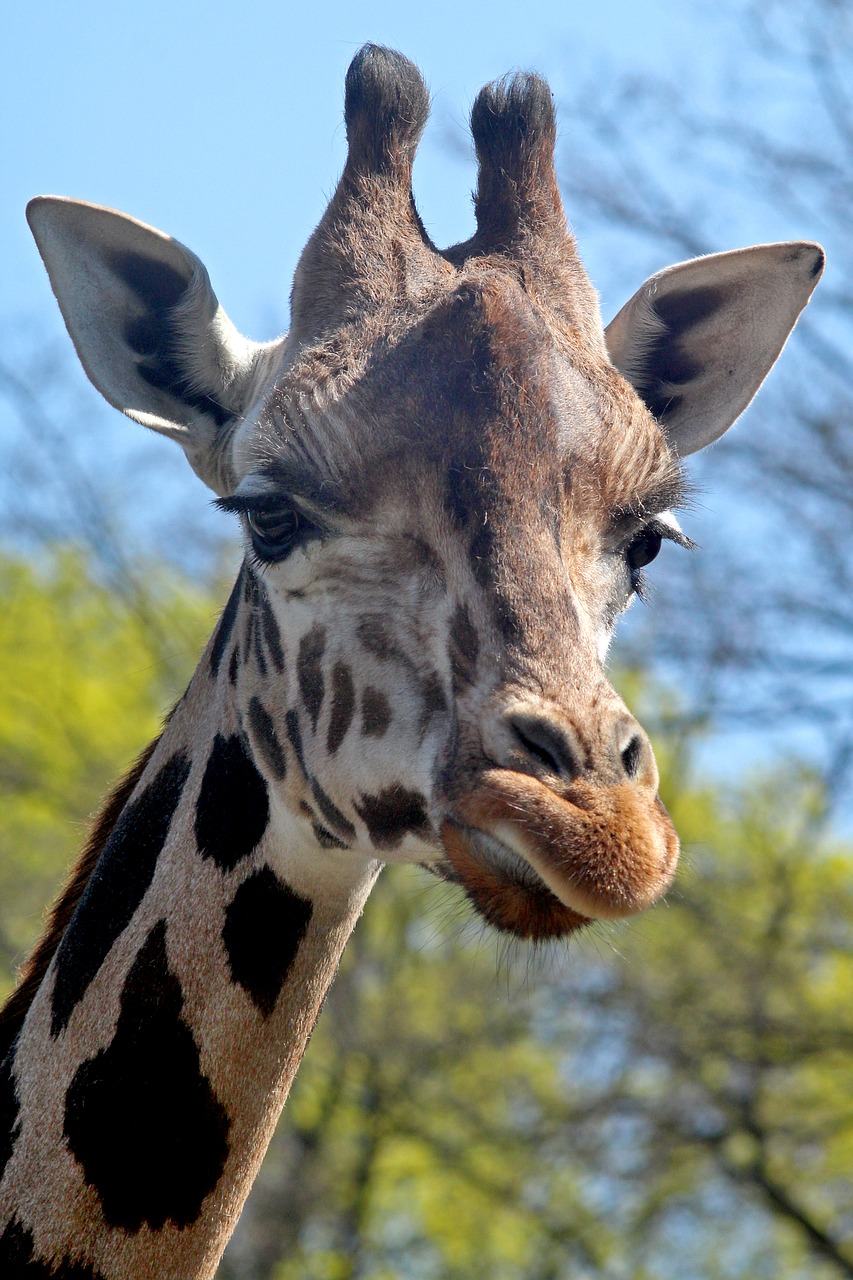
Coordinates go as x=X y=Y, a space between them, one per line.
x=249 y=634
x=116 y=887
x=463 y=493
x=140 y=1116
x=234 y=665
x=343 y=706
x=391 y=814
x=264 y=927
x=454 y=497
x=233 y=808
x=9 y=1108
x=374 y=634
x=468 y=494
x=255 y=599
x=264 y=734
x=271 y=632
x=415 y=558
x=330 y=811
x=226 y=626
x=325 y=838
x=463 y=648
x=309 y=669
x=259 y=649
x=155 y=337
x=418 y=556
x=294 y=737
x=433 y=701
x=17 y=1263
x=376 y=714
x=507 y=619
x=481 y=555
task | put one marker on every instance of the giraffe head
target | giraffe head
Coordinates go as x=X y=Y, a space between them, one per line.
x=450 y=477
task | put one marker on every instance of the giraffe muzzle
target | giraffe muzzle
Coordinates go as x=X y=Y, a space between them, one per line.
x=541 y=864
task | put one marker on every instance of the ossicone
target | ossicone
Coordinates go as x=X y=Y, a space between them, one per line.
x=370 y=237
x=513 y=124
x=514 y=128
x=385 y=108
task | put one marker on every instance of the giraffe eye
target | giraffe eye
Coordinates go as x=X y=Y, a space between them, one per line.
x=276 y=532
x=641 y=552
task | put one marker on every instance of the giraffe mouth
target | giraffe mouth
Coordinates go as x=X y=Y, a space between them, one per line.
x=503 y=887
x=541 y=865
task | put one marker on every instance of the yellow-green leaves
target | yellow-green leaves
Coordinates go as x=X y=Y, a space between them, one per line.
x=87 y=678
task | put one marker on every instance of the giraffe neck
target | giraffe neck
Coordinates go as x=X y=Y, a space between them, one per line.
x=159 y=1049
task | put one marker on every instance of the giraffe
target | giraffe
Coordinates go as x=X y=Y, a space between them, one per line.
x=449 y=478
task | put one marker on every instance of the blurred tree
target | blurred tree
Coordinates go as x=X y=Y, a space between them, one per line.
x=77 y=471
x=722 y=1120
x=669 y=165
x=87 y=680
x=683 y=1096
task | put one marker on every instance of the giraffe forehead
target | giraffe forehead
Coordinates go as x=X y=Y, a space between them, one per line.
x=482 y=377
x=480 y=418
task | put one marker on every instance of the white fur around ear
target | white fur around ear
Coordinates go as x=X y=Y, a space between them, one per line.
x=148 y=328
x=697 y=340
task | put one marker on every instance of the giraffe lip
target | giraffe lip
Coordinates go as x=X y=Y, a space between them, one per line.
x=501 y=855
x=510 y=863
x=603 y=851
x=503 y=886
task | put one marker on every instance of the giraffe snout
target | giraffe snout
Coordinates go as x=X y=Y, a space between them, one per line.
x=563 y=823
x=533 y=738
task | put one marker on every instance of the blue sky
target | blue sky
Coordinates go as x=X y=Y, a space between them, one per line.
x=221 y=124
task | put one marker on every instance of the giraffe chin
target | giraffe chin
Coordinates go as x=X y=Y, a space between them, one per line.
x=541 y=865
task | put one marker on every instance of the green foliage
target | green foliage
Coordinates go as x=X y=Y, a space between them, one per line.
x=676 y=1087
x=87 y=678
x=673 y=1088
x=739 y=1000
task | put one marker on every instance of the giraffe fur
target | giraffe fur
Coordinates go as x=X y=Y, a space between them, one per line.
x=448 y=477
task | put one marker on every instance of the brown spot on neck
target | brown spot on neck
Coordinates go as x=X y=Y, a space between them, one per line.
x=15 y=1010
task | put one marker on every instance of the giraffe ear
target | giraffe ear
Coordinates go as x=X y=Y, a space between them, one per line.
x=148 y=328
x=697 y=340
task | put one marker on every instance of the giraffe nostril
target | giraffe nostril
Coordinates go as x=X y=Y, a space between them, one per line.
x=547 y=746
x=632 y=756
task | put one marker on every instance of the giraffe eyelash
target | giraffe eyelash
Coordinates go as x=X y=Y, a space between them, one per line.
x=669 y=530
x=274 y=527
